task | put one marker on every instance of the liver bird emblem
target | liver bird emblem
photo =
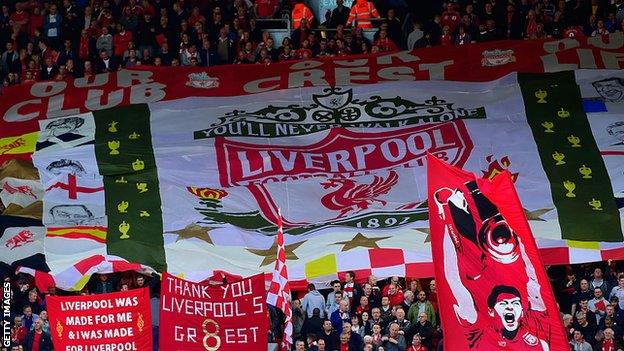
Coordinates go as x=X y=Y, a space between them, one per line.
x=352 y=197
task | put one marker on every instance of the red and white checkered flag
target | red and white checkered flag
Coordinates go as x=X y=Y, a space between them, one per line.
x=279 y=291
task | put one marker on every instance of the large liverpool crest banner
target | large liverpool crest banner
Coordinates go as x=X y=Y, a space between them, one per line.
x=116 y=321
x=200 y=316
x=194 y=185
x=493 y=290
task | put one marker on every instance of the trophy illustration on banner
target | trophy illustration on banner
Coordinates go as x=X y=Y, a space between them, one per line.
x=586 y=172
x=596 y=205
x=114 y=145
x=574 y=140
x=123 y=229
x=557 y=156
x=541 y=96
x=548 y=127
x=570 y=186
x=563 y=113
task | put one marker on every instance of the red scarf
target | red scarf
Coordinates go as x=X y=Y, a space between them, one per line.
x=607 y=345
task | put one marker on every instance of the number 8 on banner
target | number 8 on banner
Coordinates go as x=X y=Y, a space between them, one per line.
x=208 y=335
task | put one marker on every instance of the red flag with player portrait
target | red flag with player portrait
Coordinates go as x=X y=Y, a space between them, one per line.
x=493 y=291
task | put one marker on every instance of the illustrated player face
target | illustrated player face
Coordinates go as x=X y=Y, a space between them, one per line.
x=610 y=89
x=616 y=130
x=509 y=308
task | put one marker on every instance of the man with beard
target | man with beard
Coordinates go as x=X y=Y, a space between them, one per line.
x=509 y=325
x=421 y=305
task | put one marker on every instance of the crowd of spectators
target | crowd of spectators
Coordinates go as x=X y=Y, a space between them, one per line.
x=364 y=314
x=60 y=39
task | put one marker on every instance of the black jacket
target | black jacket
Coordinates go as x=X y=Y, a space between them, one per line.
x=45 y=342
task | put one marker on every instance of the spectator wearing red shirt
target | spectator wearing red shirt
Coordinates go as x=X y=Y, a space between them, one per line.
x=384 y=43
x=195 y=17
x=18 y=332
x=446 y=38
x=148 y=8
x=121 y=40
x=395 y=295
x=84 y=49
x=20 y=18
x=450 y=17
x=266 y=8
x=35 y=21
x=37 y=339
x=363 y=306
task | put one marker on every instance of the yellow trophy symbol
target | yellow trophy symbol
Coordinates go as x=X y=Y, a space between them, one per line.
x=574 y=140
x=570 y=186
x=113 y=145
x=144 y=214
x=112 y=127
x=557 y=156
x=142 y=187
x=548 y=127
x=586 y=172
x=134 y=136
x=122 y=207
x=138 y=165
x=123 y=229
x=121 y=180
x=596 y=205
x=563 y=113
x=541 y=95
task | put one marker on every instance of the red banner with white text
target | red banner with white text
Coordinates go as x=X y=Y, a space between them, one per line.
x=200 y=316
x=120 y=321
x=493 y=290
x=21 y=106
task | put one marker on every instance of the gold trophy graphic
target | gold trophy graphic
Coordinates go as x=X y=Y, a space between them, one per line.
x=114 y=145
x=123 y=229
x=570 y=186
x=557 y=156
x=574 y=140
x=596 y=205
x=541 y=95
x=586 y=172
x=548 y=127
